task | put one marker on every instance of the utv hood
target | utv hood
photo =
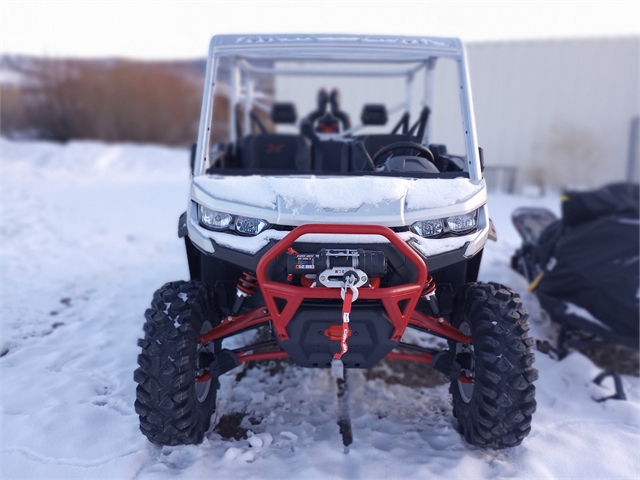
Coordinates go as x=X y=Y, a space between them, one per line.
x=297 y=200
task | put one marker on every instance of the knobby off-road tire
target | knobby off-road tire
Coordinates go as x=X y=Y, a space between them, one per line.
x=174 y=409
x=495 y=411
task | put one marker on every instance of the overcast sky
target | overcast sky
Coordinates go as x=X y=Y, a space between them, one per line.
x=157 y=29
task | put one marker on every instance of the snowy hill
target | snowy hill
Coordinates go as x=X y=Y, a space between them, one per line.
x=88 y=232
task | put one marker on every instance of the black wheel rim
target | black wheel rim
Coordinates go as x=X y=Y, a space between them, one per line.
x=202 y=388
x=465 y=389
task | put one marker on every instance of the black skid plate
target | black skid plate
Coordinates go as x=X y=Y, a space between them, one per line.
x=369 y=342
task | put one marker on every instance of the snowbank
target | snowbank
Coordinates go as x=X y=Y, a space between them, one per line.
x=88 y=232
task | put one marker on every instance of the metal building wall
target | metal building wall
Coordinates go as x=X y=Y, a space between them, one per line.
x=559 y=111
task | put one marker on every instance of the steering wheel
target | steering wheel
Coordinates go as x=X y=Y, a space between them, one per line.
x=423 y=151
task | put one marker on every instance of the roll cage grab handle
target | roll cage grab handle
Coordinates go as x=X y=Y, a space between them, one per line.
x=294 y=295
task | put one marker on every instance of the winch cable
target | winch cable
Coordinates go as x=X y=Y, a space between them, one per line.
x=346 y=311
x=344 y=419
x=349 y=294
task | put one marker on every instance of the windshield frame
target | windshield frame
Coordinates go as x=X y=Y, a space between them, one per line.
x=341 y=48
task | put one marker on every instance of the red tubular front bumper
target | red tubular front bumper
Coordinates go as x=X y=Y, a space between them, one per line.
x=295 y=295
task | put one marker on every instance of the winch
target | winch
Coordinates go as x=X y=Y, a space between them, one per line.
x=332 y=265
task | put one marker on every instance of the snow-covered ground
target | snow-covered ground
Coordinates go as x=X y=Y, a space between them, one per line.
x=88 y=232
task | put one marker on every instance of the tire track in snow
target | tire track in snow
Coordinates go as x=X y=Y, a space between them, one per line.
x=73 y=462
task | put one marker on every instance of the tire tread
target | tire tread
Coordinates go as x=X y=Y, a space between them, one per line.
x=166 y=403
x=499 y=413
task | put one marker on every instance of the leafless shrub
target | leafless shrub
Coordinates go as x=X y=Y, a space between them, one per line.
x=13 y=114
x=111 y=101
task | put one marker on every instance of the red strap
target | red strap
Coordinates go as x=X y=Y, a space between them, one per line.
x=346 y=310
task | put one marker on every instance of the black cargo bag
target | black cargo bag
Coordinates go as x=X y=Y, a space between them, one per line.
x=589 y=277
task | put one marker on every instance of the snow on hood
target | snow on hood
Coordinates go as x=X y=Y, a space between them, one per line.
x=338 y=193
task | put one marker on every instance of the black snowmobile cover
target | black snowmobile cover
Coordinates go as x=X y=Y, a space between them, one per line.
x=590 y=259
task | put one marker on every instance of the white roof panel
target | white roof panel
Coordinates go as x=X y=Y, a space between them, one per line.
x=335 y=47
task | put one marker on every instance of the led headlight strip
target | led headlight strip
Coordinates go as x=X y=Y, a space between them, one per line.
x=214 y=220
x=457 y=224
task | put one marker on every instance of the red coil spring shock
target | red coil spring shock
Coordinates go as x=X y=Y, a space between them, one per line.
x=429 y=287
x=429 y=294
x=246 y=287
x=248 y=284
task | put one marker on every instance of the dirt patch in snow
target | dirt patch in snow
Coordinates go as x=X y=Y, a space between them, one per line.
x=408 y=374
x=614 y=357
x=229 y=426
x=392 y=372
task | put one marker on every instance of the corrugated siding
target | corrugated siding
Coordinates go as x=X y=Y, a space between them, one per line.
x=559 y=111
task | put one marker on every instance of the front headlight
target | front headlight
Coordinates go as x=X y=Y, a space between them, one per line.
x=462 y=223
x=250 y=226
x=455 y=224
x=214 y=220
x=428 y=228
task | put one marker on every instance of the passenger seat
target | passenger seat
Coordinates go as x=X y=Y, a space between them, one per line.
x=275 y=152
